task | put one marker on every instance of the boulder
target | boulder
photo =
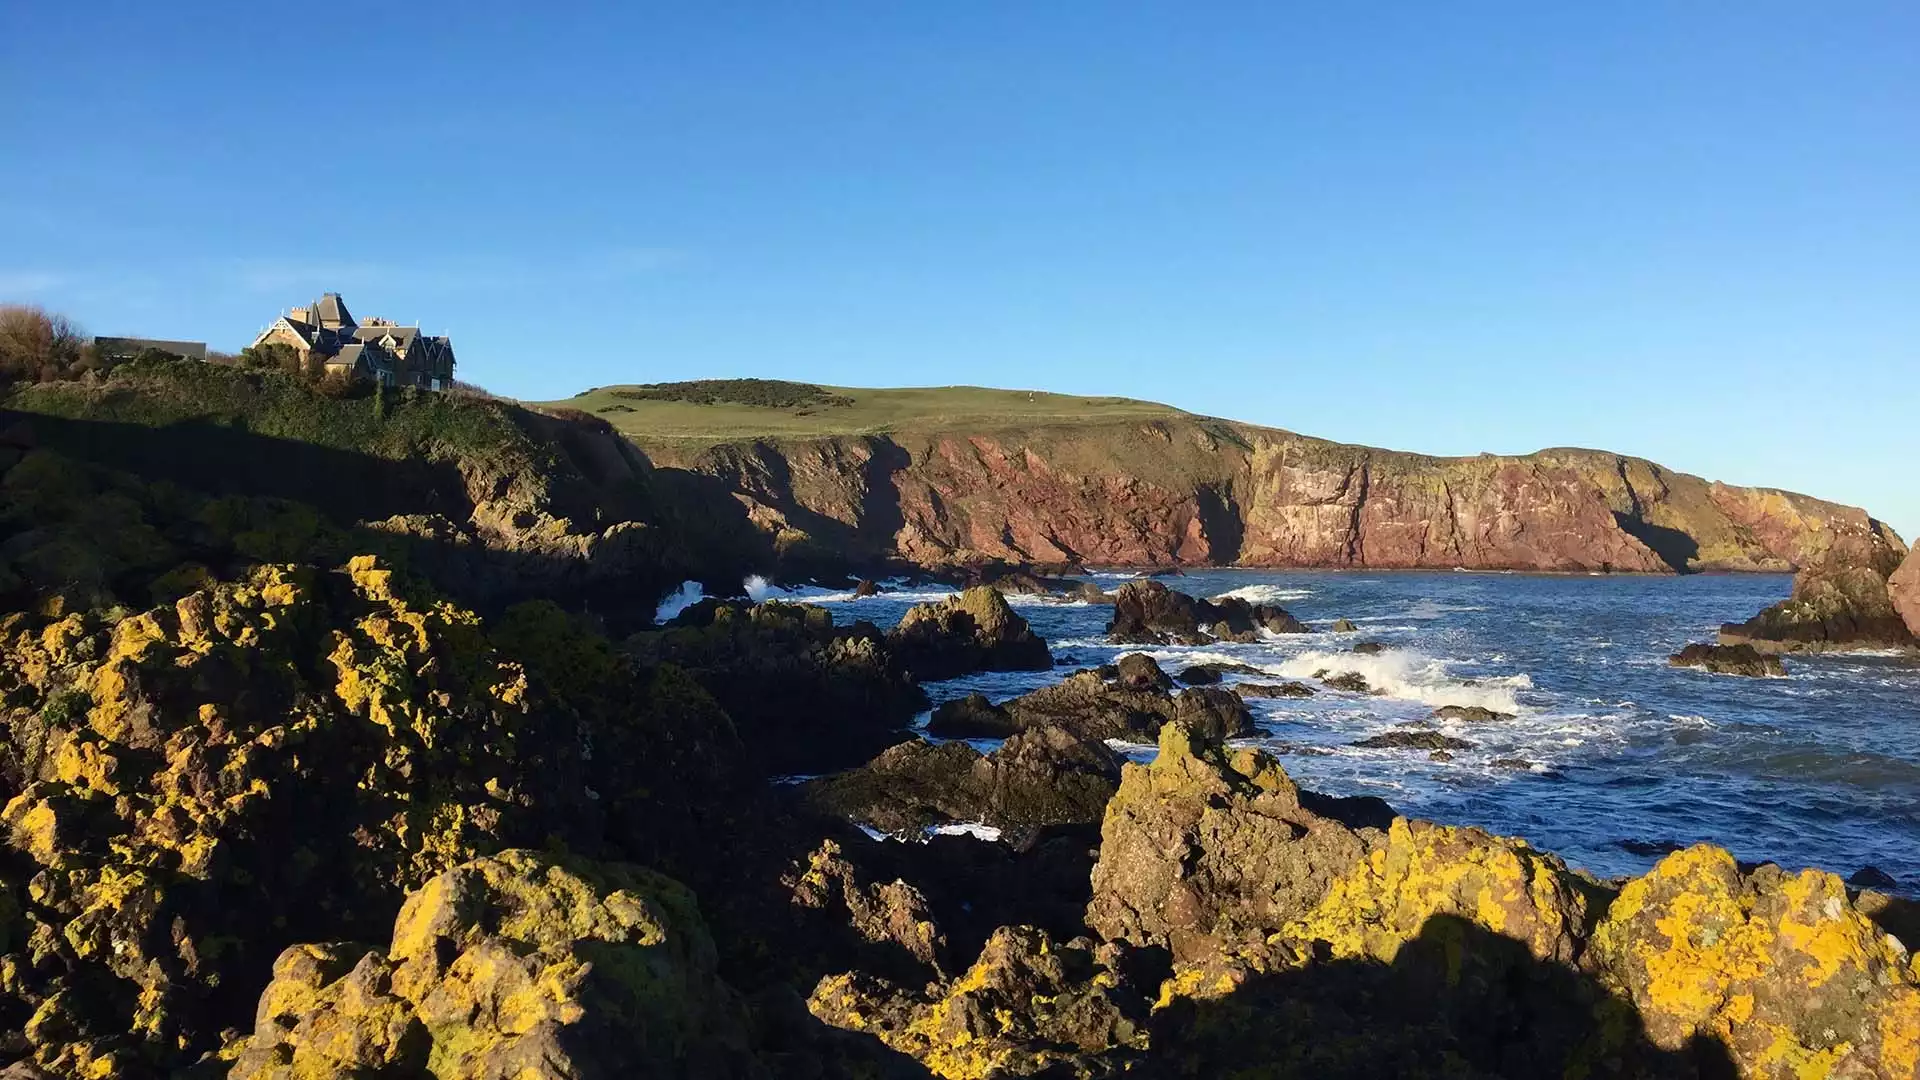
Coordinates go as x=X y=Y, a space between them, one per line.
x=971 y=717
x=1028 y=1006
x=1835 y=605
x=1350 y=681
x=1149 y=613
x=1472 y=714
x=1729 y=660
x=1130 y=702
x=1210 y=673
x=1039 y=777
x=1370 y=648
x=1781 y=969
x=1273 y=690
x=1204 y=849
x=521 y=964
x=866 y=587
x=1345 y=626
x=1414 y=740
x=1903 y=588
x=1213 y=713
x=1138 y=671
x=974 y=631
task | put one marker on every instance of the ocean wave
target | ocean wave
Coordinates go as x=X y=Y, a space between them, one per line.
x=1411 y=675
x=1434 y=609
x=1265 y=594
x=688 y=594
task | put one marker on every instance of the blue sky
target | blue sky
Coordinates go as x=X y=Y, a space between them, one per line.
x=1688 y=231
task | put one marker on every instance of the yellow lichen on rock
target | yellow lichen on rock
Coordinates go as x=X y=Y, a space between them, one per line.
x=1780 y=968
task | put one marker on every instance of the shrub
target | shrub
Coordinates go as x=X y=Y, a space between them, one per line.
x=763 y=393
x=36 y=346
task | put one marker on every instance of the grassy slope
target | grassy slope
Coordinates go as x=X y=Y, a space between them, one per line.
x=934 y=408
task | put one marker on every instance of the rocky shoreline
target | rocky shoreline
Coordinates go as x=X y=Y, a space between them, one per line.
x=276 y=806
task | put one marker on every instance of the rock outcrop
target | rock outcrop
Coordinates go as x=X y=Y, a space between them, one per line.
x=1149 y=613
x=518 y=964
x=1904 y=590
x=1729 y=660
x=1835 y=605
x=974 y=631
x=1195 y=490
x=1130 y=703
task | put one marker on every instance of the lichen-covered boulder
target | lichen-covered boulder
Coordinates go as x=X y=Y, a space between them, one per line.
x=518 y=966
x=1027 y=1006
x=1203 y=849
x=1780 y=968
x=974 y=631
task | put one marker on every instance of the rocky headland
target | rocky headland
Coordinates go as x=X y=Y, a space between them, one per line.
x=341 y=742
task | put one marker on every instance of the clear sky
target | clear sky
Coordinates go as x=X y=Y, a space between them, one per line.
x=1689 y=231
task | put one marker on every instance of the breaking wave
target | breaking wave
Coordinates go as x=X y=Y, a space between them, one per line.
x=1266 y=594
x=688 y=594
x=1412 y=676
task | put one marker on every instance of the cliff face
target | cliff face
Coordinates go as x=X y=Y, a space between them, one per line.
x=1192 y=490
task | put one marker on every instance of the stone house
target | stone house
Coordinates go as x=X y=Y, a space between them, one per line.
x=378 y=349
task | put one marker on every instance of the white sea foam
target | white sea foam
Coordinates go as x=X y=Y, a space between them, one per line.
x=1434 y=609
x=1265 y=594
x=688 y=594
x=976 y=829
x=1412 y=676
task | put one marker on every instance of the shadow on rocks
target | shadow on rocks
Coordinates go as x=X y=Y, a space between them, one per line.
x=1457 y=1001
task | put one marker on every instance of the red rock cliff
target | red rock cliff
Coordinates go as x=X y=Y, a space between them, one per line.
x=1201 y=491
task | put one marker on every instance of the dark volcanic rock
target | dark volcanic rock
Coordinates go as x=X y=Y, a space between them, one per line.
x=1149 y=613
x=1833 y=606
x=1351 y=681
x=1903 y=589
x=1213 y=713
x=1274 y=690
x=1208 y=674
x=971 y=717
x=1040 y=777
x=1414 y=740
x=1370 y=648
x=1872 y=877
x=1476 y=714
x=866 y=587
x=1344 y=626
x=1138 y=671
x=807 y=696
x=975 y=631
x=1728 y=660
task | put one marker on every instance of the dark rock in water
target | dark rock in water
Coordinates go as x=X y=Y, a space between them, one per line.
x=1835 y=605
x=1728 y=660
x=1353 y=811
x=1649 y=848
x=1208 y=674
x=1514 y=763
x=1370 y=648
x=1169 y=572
x=1475 y=714
x=971 y=717
x=1149 y=613
x=1872 y=877
x=975 y=631
x=1273 y=690
x=1214 y=713
x=1345 y=626
x=1066 y=661
x=866 y=587
x=1895 y=915
x=1440 y=755
x=1138 y=671
x=1090 y=593
x=1414 y=740
x=1351 y=681
x=1040 y=777
x=805 y=695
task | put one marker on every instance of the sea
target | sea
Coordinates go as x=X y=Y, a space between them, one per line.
x=1612 y=757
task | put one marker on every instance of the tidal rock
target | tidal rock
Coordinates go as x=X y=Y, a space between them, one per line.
x=1414 y=740
x=1090 y=593
x=1204 y=849
x=1473 y=714
x=1833 y=606
x=1028 y=1006
x=975 y=631
x=1729 y=660
x=1872 y=877
x=1211 y=673
x=1138 y=671
x=806 y=696
x=1370 y=648
x=1350 y=681
x=1345 y=626
x=1903 y=588
x=1273 y=690
x=866 y=587
x=520 y=964
x=1039 y=777
x=971 y=717
x=1149 y=613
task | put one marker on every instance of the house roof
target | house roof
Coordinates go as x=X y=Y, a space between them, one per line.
x=330 y=311
x=402 y=334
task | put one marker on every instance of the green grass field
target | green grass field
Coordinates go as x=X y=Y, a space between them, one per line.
x=725 y=410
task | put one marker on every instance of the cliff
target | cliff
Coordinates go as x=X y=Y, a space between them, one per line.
x=960 y=475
